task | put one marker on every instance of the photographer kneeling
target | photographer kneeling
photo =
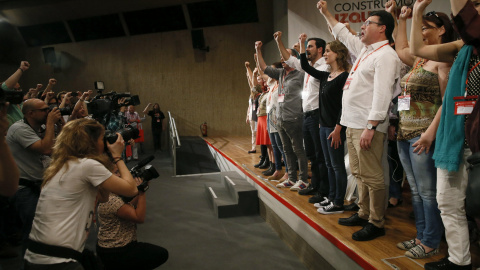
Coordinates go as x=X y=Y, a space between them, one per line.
x=117 y=237
x=65 y=209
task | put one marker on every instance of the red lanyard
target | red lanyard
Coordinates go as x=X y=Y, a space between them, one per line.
x=306 y=83
x=413 y=71
x=358 y=63
x=272 y=91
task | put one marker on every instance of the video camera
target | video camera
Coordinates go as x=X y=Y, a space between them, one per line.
x=103 y=104
x=12 y=96
x=144 y=171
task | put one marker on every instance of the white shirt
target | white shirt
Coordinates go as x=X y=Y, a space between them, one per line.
x=372 y=84
x=311 y=86
x=66 y=207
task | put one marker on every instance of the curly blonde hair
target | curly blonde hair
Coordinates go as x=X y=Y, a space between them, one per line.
x=78 y=139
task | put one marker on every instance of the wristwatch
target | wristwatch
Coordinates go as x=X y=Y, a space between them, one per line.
x=371 y=127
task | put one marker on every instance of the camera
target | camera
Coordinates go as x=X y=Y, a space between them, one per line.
x=144 y=171
x=12 y=96
x=63 y=111
x=127 y=133
x=146 y=174
x=103 y=104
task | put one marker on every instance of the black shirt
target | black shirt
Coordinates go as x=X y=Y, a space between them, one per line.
x=156 y=119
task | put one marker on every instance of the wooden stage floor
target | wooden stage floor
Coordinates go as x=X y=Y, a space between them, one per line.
x=380 y=253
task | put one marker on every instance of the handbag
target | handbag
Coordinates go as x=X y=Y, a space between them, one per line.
x=472 y=200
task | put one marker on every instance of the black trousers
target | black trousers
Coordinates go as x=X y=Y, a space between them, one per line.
x=136 y=255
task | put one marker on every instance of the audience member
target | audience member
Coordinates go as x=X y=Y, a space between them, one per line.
x=365 y=114
x=134 y=120
x=289 y=117
x=14 y=112
x=31 y=146
x=419 y=109
x=251 y=111
x=310 y=105
x=157 y=124
x=332 y=133
x=65 y=208
x=9 y=173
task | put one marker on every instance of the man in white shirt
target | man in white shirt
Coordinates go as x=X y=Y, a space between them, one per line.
x=366 y=98
x=311 y=114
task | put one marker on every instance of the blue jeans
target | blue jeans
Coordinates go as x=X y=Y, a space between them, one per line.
x=335 y=162
x=422 y=177
x=314 y=152
x=25 y=202
x=277 y=150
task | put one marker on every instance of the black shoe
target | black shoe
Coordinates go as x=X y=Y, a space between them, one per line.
x=308 y=191
x=367 y=233
x=316 y=199
x=252 y=151
x=265 y=164
x=353 y=220
x=262 y=160
x=351 y=207
x=270 y=170
x=445 y=264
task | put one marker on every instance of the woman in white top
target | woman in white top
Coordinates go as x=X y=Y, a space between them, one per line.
x=65 y=209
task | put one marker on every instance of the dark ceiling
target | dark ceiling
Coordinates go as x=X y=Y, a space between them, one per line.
x=61 y=21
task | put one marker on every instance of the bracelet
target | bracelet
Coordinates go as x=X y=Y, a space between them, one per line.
x=21 y=69
x=116 y=160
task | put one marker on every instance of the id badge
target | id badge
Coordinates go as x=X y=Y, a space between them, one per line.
x=464 y=107
x=347 y=83
x=254 y=107
x=404 y=103
x=281 y=98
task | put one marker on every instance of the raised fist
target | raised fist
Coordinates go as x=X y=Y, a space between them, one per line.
x=258 y=45
x=405 y=13
x=247 y=64
x=322 y=6
x=302 y=38
x=24 y=65
x=52 y=81
x=277 y=35
x=391 y=7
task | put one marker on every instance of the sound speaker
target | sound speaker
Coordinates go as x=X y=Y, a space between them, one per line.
x=49 y=55
x=198 y=40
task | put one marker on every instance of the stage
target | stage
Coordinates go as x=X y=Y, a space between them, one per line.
x=307 y=232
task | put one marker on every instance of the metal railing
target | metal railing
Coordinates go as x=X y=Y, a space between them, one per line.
x=174 y=141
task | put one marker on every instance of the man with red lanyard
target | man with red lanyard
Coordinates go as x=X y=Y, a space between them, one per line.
x=366 y=98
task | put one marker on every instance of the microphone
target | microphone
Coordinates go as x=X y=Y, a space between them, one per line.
x=142 y=163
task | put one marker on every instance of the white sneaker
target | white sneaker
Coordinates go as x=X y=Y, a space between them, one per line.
x=299 y=185
x=286 y=183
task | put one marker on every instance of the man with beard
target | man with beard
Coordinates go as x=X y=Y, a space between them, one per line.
x=311 y=114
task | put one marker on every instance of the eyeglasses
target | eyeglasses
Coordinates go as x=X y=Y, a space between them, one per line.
x=368 y=22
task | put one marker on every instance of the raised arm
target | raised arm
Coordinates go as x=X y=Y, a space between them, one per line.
x=249 y=74
x=146 y=108
x=50 y=85
x=283 y=51
x=15 y=77
x=317 y=74
x=401 y=42
x=391 y=7
x=258 y=49
x=322 y=7
x=439 y=52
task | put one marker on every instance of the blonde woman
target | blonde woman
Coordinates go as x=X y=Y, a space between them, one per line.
x=71 y=183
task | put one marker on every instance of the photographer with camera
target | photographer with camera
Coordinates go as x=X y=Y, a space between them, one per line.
x=117 y=244
x=65 y=211
x=31 y=146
